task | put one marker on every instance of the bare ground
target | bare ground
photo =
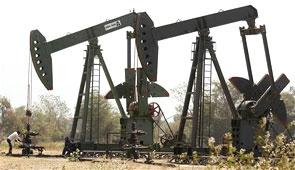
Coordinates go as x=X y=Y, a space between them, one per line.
x=56 y=163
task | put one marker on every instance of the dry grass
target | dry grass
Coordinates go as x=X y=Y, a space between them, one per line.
x=53 y=145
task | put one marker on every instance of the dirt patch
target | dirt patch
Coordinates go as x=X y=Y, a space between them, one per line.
x=59 y=163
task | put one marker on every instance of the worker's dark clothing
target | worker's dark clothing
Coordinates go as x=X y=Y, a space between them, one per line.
x=10 y=146
x=69 y=147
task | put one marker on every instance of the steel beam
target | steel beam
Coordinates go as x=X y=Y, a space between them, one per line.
x=79 y=100
x=226 y=92
x=246 y=52
x=188 y=94
x=266 y=50
x=90 y=53
x=198 y=88
x=110 y=81
x=245 y=13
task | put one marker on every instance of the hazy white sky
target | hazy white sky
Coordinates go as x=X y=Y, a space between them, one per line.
x=57 y=18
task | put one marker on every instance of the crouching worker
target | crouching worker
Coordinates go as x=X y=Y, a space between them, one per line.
x=13 y=137
x=69 y=147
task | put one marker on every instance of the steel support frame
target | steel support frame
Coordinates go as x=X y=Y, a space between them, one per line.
x=204 y=43
x=92 y=50
x=79 y=100
x=90 y=54
x=187 y=95
x=85 y=81
x=198 y=88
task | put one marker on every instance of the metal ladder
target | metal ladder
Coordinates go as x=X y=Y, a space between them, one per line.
x=204 y=115
x=206 y=97
x=95 y=99
x=88 y=91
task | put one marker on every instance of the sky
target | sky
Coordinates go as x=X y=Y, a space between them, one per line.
x=57 y=18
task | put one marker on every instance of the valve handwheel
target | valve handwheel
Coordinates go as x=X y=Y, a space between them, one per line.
x=154 y=109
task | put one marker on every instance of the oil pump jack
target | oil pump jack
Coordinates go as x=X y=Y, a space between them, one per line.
x=139 y=111
x=259 y=99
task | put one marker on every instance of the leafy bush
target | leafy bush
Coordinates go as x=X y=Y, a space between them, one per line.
x=275 y=154
x=75 y=156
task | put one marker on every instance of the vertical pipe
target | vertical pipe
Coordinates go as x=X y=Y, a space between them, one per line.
x=129 y=36
x=246 y=52
x=188 y=94
x=266 y=50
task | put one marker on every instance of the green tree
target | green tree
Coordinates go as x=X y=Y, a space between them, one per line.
x=109 y=119
x=5 y=108
x=11 y=119
x=220 y=112
x=50 y=118
x=178 y=93
x=289 y=100
x=104 y=119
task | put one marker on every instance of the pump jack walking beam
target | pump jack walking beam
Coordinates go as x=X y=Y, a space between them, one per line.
x=41 y=49
x=246 y=13
x=145 y=43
